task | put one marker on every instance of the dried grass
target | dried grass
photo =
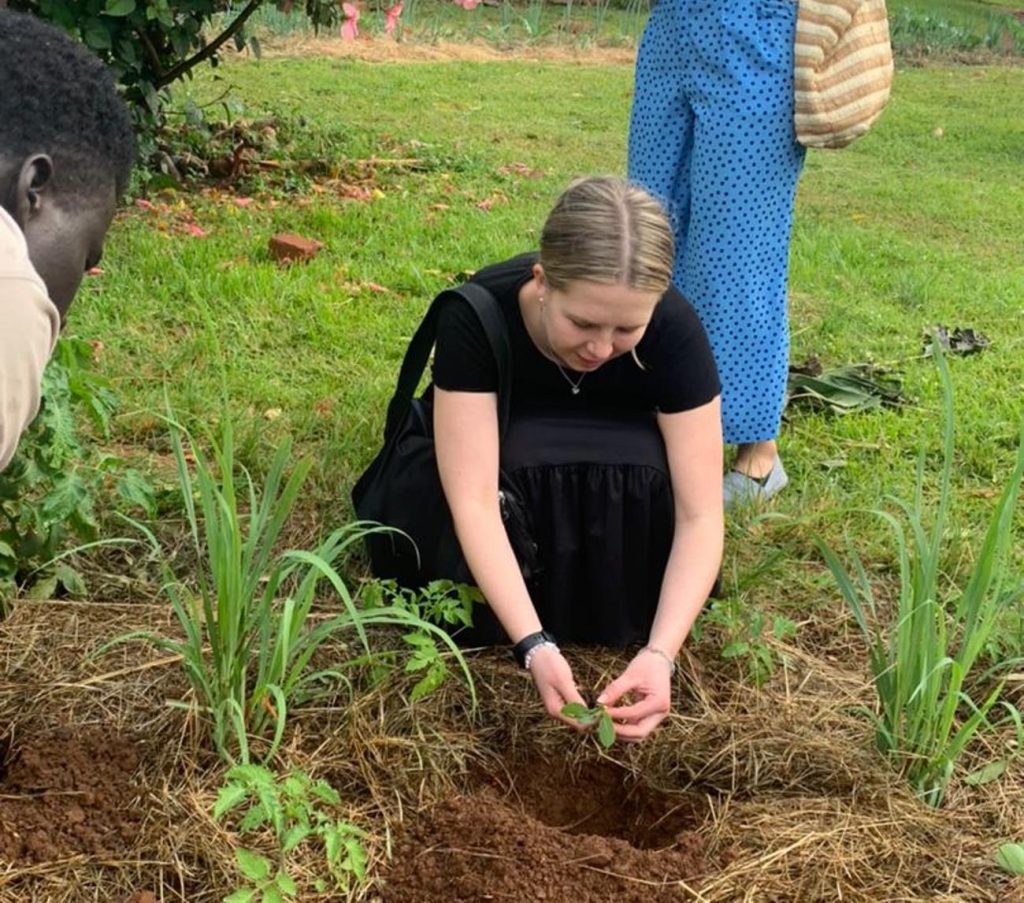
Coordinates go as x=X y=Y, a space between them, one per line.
x=798 y=805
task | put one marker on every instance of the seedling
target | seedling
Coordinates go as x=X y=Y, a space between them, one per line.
x=589 y=717
x=296 y=809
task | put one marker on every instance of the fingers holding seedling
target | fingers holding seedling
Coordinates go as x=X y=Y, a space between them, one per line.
x=596 y=717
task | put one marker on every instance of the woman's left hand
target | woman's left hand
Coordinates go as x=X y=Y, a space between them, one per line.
x=648 y=678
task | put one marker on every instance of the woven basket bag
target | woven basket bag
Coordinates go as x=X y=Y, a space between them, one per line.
x=842 y=70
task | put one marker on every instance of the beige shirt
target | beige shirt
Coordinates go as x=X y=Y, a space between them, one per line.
x=29 y=323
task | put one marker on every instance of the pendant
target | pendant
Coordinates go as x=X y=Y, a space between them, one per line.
x=575 y=390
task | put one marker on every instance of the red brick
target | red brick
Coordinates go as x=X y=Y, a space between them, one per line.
x=286 y=248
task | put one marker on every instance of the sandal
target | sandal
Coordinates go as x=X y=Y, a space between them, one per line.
x=743 y=489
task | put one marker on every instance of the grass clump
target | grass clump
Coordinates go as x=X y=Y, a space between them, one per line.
x=922 y=658
x=250 y=629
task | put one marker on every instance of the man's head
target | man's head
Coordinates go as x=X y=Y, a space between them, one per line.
x=66 y=149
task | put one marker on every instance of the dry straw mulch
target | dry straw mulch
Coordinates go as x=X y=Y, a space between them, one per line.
x=797 y=805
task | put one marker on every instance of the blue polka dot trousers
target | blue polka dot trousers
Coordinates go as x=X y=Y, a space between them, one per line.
x=711 y=135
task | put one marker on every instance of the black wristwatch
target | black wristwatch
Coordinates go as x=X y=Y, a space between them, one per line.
x=528 y=642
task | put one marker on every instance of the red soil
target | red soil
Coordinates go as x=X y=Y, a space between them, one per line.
x=592 y=836
x=68 y=793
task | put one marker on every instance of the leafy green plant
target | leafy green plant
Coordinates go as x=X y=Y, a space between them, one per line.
x=441 y=602
x=153 y=43
x=743 y=627
x=922 y=657
x=596 y=717
x=297 y=810
x=250 y=632
x=49 y=491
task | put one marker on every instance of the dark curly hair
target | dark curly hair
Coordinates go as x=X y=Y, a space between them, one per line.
x=57 y=98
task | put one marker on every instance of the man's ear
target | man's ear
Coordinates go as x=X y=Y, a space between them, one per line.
x=34 y=179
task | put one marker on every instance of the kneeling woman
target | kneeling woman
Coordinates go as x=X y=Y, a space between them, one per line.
x=614 y=449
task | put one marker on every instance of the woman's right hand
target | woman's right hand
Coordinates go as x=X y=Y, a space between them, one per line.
x=553 y=677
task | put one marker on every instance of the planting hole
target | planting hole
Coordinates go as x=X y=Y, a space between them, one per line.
x=603 y=799
x=590 y=831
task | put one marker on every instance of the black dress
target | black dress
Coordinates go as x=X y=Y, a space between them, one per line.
x=588 y=467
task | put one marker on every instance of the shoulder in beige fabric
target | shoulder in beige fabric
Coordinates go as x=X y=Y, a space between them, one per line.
x=29 y=324
x=842 y=71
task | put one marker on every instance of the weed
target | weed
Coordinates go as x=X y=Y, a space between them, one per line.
x=744 y=628
x=49 y=491
x=440 y=602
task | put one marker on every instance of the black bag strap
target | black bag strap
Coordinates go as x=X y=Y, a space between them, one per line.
x=486 y=308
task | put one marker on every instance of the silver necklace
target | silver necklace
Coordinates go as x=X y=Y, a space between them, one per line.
x=574 y=386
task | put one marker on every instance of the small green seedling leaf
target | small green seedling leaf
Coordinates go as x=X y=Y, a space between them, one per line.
x=242 y=895
x=586 y=717
x=1010 y=858
x=252 y=865
x=575 y=710
x=229 y=797
x=293 y=837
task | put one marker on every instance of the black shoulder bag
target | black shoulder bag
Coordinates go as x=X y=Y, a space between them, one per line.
x=401 y=488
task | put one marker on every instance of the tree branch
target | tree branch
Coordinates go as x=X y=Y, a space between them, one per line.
x=210 y=49
x=154 y=57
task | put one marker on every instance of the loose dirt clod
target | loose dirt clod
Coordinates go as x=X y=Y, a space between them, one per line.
x=68 y=793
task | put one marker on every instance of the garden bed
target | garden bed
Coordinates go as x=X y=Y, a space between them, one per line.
x=776 y=794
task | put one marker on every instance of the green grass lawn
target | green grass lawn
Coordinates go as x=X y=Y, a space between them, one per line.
x=917 y=224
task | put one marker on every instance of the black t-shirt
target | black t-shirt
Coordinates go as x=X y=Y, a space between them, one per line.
x=678 y=371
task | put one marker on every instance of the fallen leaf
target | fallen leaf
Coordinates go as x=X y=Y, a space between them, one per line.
x=959 y=340
x=195 y=231
x=520 y=169
x=355 y=192
x=271 y=413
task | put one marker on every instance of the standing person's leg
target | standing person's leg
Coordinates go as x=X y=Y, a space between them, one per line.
x=661 y=120
x=734 y=266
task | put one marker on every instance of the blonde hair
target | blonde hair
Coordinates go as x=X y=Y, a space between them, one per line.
x=605 y=229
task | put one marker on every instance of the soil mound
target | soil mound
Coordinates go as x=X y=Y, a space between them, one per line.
x=66 y=793
x=595 y=834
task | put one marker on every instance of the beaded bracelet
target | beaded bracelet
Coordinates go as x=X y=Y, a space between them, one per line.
x=528 y=660
x=656 y=651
